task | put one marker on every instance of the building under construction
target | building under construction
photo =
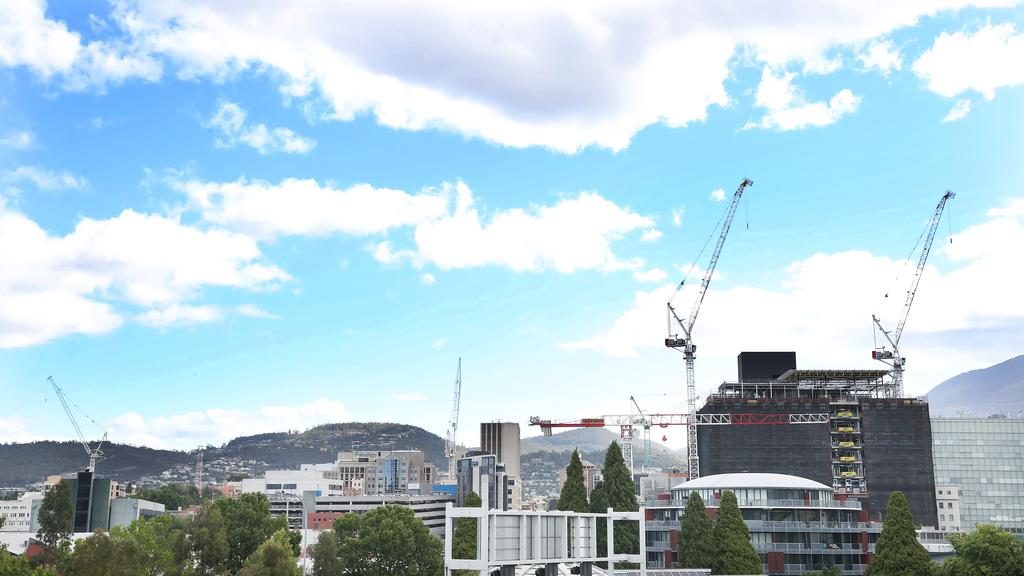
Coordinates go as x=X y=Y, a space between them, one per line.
x=873 y=444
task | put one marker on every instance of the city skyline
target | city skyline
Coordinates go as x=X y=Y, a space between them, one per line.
x=204 y=239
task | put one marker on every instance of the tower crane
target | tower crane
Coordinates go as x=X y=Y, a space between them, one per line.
x=684 y=343
x=645 y=423
x=892 y=357
x=94 y=454
x=453 y=424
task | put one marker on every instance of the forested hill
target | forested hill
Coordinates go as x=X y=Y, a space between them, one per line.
x=997 y=389
x=23 y=464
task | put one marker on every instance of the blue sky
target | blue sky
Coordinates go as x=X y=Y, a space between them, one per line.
x=215 y=223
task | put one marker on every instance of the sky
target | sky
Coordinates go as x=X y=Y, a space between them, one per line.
x=227 y=218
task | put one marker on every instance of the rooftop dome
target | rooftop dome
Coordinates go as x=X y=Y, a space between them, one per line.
x=752 y=480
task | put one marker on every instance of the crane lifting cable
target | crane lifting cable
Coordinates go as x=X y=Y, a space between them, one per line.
x=94 y=454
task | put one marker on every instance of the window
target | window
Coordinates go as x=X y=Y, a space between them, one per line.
x=940 y=505
x=942 y=517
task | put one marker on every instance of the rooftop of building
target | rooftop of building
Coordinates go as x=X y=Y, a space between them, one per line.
x=751 y=480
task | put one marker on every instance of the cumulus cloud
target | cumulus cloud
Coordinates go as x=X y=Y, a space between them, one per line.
x=718 y=195
x=15 y=429
x=677 y=217
x=787 y=108
x=959 y=111
x=218 y=425
x=296 y=207
x=652 y=275
x=982 y=61
x=585 y=74
x=229 y=121
x=79 y=283
x=21 y=140
x=253 y=311
x=828 y=320
x=45 y=179
x=427 y=279
x=179 y=315
x=881 y=55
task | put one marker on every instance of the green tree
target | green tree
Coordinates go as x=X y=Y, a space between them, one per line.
x=599 y=505
x=829 y=571
x=988 y=551
x=248 y=524
x=898 y=553
x=574 y=493
x=55 y=517
x=464 y=537
x=734 y=554
x=172 y=496
x=12 y=565
x=273 y=558
x=325 y=556
x=387 y=541
x=103 y=555
x=620 y=493
x=206 y=543
x=157 y=542
x=696 y=535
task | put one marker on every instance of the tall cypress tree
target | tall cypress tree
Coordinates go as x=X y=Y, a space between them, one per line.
x=620 y=492
x=734 y=554
x=464 y=537
x=574 y=494
x=599 y=505
x=696 y=535
x=898 y=553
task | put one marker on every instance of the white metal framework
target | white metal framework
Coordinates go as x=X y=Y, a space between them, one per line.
x=453 y=424
x=685 y=343
x=893 y=357
x=94 y=454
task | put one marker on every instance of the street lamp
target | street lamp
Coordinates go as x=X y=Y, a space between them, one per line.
x=288 y=497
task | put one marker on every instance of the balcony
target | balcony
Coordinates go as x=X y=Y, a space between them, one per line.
x=797 y=526
x=655 y=503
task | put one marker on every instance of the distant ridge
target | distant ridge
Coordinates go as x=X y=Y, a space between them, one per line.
x=23 y=464
x=998 y=389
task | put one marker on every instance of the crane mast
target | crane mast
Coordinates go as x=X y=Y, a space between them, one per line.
x=685 y=343
x=453 y=424
x=93 y=454
x=893 y=357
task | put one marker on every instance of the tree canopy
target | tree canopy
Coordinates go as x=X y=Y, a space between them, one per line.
x=273 y=558
x=464 y=536
x=248 y=524
x=620 y=493
x=988 y=551
x=734 y=554
x=55 y=517
x=898 y=553
x=574 y=492
x=696 y=535
x=325 y=556
x=387 y=541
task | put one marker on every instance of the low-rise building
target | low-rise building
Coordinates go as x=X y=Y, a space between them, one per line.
x=21 y=515
x=429 y=509
x=124 y=511
x=796 y=525
x=947 y=501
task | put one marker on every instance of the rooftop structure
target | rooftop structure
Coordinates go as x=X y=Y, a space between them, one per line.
x=797 y=525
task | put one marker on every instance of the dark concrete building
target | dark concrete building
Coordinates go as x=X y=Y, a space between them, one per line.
x=871 y=446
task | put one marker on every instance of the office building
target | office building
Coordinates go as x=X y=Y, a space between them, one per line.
x=796 y=525
x=983 y=458
x=124 y=511
x=429 y=509
x=870 y=445
x=21 y=515
x=502 y=440
x=476 y=470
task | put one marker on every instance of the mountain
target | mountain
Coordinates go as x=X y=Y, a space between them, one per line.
x=583 y=439
x=997 y=389
x=24 y=464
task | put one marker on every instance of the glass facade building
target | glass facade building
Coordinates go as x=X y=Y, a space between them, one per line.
x=984 y=459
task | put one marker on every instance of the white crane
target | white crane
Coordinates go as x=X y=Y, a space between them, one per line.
x=453 y=424
x=685 y=342
x=94 y=454
x=893 y=357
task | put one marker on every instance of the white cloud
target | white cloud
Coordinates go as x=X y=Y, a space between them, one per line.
x=305 y=207
x=229 y=120
x=787 y=108
x=983 y=61
x=54 y=286
x=677 y=216
x=49 y=49
x=828 y=321
x=253 y=311
x=408 y=397
x=439 y=343
x=21 y=140
x=217 y=425
x=427 y=279
x=176 y=316
x=585 y=74
x=46 y=180
x=881 y=55
x=573 y=234
x=718 y=195
x=650 y=235
x=15 y=430
x=652 y=275
x=958 y=111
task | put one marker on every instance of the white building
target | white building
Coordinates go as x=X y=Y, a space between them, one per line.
x=21 y=515
x=124 y=511
x=947 y=500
